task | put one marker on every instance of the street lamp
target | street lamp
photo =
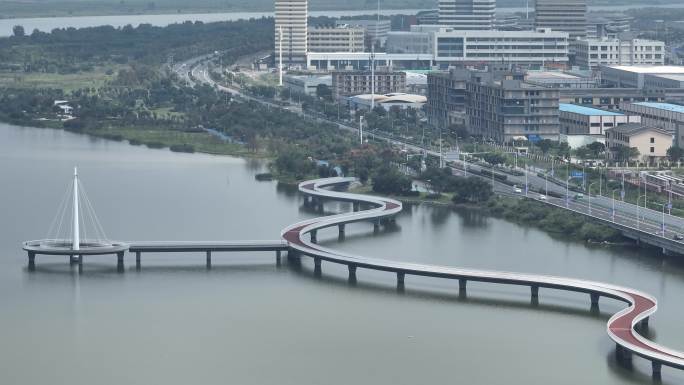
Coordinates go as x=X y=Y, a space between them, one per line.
x=613 y=212
x=589 y=195
x=663 y=224
x=361 y=128
x=567 y=185
x=637 y=209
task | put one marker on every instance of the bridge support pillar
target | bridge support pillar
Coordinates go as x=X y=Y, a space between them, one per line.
x=352 y=273
x=208 y=259
x=137 y=260
x=656 y=366
x=73 y=259
x=119 y=261
x=400 y=279
x=535 y=291
x=314 y=238
x=462 y=283
x=624 y=356
x=317 y=265
x=355 y=206
x=340 y=227
x=278 y=257
x=594 y=299
x=80 y=264
x=376 y=225
x=31 y=261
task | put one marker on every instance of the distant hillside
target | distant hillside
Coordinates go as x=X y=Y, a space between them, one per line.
x=28 y=8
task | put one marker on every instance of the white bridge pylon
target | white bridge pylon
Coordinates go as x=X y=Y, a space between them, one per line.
x=76 y=225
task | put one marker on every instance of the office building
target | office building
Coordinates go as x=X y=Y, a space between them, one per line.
x=651 y=142
x=667 y=116
x=505 y=110
x=581 y=120
x=291 y=20
x=467 y=14
x=635 y=76
x=351 y=83
x=342 y=38
x=451 y=46
x=447 y=97
x=306 y=83
x=614 y=51
x=562 y=15
x=375 y=30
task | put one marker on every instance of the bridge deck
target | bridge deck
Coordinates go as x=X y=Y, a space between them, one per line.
x=176 y=246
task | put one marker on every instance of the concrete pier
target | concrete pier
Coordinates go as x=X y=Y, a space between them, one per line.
x=535 y=291
x=278 y=258
x=594 y=299
x=31 y=260
x=119 y=261
x=376 y=225
x=355 y=206
x=137 y=260
x=73 y=259
x=314 y=238
x=208 y=259
x=462 y=283
x=352 y=273
x=657 y=368
x=340 y=227
x=400 y=280
x=317 y=264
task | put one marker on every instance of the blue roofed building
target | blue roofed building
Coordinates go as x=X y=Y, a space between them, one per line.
x=581 y=120
x=667 y=116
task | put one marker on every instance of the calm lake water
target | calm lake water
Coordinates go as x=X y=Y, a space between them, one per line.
x=47 y=24
x=248 y=321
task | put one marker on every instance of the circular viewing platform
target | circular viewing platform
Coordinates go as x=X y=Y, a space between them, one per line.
x=65 y=247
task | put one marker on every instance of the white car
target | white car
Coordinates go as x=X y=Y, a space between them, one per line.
x=517 y=190
x=542 y=197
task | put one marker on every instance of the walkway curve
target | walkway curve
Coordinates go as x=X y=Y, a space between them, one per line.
x=620 y=328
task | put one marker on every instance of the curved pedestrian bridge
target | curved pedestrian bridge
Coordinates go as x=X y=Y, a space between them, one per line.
x=621 y=327
x=300 y=240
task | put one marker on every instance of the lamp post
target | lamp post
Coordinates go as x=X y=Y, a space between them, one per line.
x=637 y=210
x=662 y=227
x=567 y=185
x=589 y=195
x=361 y=129
x=613 y=212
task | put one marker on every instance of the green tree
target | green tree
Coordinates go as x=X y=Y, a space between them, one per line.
x=18 y=31
x=494 y=158
x=387 y=180
x=675 y=153
x=625 y=154
x=545 y=145
x=472 y=189
x=324 y=92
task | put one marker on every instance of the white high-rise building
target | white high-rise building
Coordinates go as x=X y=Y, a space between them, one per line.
x=291 y=19
x=562 y=15
x=468 y=14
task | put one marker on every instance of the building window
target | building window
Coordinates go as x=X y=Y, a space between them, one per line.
x=652 y=141
x=652 y=150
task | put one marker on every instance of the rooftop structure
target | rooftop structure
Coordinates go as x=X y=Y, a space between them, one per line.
x=397 y=99
x=662 y=106
x=582 y=110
